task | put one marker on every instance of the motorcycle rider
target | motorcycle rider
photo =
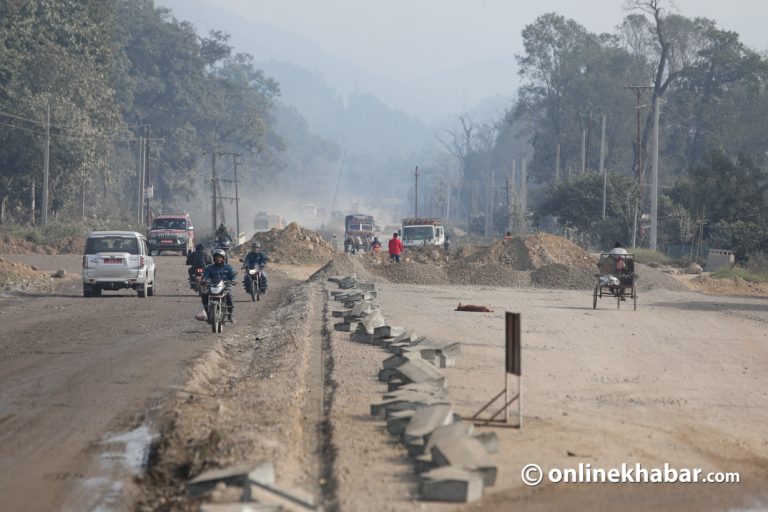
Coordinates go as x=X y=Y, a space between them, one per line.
x=220 y=271
x=254 y=258
x=222 y=233
x=199 y=258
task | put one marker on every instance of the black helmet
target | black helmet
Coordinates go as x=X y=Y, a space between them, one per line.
x=199 y=247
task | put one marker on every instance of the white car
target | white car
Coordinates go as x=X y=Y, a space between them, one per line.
x=114 y=260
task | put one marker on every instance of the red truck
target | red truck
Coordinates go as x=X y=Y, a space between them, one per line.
x=171 y=232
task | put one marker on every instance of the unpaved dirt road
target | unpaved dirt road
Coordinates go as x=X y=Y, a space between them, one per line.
x=83 y=384
x=80 y=379
x=682 y=380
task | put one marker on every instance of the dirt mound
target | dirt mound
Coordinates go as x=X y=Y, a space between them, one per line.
x=69 y=245
x=19 y=275
x=293 y=245
x=536 y=251
x=728 y=286
x=10 y=244
x=541 y=261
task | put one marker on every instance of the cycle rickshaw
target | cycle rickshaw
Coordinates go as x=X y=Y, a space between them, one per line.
x=617 y=279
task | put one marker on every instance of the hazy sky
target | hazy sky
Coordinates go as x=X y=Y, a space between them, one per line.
x=404 y=39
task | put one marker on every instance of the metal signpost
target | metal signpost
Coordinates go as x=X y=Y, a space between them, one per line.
x=512 y=366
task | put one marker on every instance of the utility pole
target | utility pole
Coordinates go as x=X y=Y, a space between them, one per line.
x=602 y=163
x=557 y=163
x=46 y=160
x=32 y=201
x=655 y=175
x=140 y=182
x=338 y=181
x=416 y=193
x=639 y=154
x=213 y=189
x=583 y=151
x=588 y=140
x=491 y=200
x=523 y=196
x=147 y=189
x=237 y=198
x=507 y=190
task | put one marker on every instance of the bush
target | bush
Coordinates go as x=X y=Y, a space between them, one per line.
x=649 y=257
x=741 y=272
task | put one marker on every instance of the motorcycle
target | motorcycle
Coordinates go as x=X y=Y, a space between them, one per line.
x=217 y=304
x=196 y=281
x=254 y=282
x=224 y=244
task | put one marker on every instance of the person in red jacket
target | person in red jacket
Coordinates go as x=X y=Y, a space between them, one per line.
x=395 y=248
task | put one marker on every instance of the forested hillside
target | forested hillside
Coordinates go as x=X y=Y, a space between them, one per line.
x=108 y=79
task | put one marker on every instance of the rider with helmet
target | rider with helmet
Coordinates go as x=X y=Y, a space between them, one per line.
x=254 y=258
x=199 y=258
x=220 y=271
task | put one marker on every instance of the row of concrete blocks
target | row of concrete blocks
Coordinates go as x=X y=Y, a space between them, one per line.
x=452 y=462
x=248 y=488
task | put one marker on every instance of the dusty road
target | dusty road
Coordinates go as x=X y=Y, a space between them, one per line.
x=682 y=380
x=80 y=379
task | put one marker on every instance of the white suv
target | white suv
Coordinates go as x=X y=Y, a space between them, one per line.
x=117 y=259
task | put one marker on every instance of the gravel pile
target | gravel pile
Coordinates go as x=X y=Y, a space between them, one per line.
x=541 y=261
x=294 y=245
x=560 y=276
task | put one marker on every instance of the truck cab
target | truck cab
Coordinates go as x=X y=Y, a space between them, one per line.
x=418 y=232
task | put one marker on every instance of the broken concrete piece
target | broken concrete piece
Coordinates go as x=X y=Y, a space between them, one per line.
x=397 y=421
x=467 y=453
x=489 y=440
x=288 y=500
x=388 y=331
x=372 y=319
x=348 y=282
x=426 y=420
x=442 y=354
x=239 y=507
x=452 y=484
x=409 y=390
x=236 y=475
x=453 y=431
x=345 y=326
x=414 y=371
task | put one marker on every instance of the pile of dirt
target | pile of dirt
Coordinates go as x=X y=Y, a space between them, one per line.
x=293 y=245
x=536 y=251
x=20 y=276
x=540 y=261
x=10 y=244
x=728 y=286
x=69 y=245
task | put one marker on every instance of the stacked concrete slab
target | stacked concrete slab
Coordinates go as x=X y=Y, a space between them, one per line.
x=452 y=462
x=246 y=488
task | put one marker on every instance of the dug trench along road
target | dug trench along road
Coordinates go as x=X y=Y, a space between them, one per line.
x=75 y=371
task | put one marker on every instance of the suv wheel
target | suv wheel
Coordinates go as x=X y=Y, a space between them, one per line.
x=142 y=290
x=87 y=291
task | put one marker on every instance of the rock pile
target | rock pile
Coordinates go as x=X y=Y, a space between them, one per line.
x=294 y=245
